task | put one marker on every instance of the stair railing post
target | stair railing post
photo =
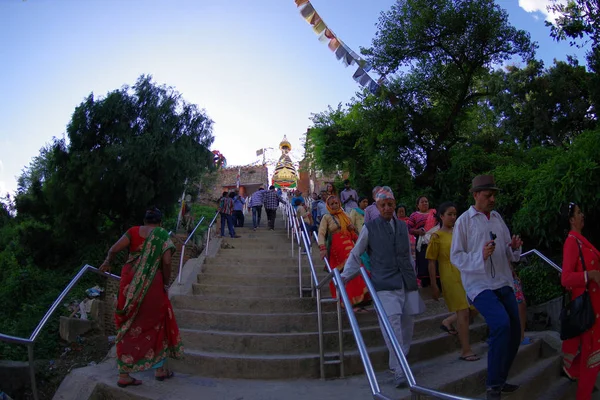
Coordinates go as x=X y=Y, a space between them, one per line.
x=320 y=327
x=300 y=267
x=30 y=356
x=340 y=336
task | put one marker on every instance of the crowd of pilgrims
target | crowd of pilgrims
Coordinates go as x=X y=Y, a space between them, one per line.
x=403 y=251
x=339 y=219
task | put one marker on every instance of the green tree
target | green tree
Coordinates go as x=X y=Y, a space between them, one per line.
x=578 y=21
x=132 y=148
x=442 y=49
x=538 y=106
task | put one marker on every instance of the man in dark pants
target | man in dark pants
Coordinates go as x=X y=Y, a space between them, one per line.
x=256 y=203
x=238 y=211
x=482 y=249
x=271 y=202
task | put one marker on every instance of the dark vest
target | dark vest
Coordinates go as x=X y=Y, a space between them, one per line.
x=391 y=268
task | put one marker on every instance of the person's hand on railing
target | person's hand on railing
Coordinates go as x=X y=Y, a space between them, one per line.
x=322 y=252
x=105 y=267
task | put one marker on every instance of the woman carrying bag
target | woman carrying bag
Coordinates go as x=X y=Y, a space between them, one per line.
x=581 y=273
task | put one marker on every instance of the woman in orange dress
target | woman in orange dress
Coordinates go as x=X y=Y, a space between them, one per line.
x=581 y=354
x=147 y=332
x=337 y=236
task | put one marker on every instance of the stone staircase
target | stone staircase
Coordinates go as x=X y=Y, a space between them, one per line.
x=249 y=336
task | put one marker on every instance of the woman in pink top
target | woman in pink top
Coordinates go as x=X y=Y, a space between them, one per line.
x=418 y=225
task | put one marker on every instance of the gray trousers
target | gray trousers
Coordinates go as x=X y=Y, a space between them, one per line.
x=402 y=320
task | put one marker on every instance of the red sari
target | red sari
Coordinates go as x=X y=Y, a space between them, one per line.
x=340 y=242
x=147 y=332
x=581 y=355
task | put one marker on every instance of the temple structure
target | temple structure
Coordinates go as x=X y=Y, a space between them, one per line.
x=285 y=175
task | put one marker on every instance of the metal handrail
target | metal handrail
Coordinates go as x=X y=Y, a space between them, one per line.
x=29 y=342
x=183 y=250
x=543 y=257
x=304 y=239
x=208 y=232
x=415 y=388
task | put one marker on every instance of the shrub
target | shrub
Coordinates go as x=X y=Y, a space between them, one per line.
x=541 y=282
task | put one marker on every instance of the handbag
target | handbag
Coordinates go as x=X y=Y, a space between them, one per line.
x=578 y=315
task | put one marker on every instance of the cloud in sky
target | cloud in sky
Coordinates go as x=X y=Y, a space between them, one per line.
x=538 y=6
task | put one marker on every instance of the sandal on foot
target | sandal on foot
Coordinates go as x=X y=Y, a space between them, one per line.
x=132 y=382
x=167 y=375
x=472 y=357
x=450 y=331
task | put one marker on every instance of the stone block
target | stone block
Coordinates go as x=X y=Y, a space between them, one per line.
x=14 y=376
x=70 y=328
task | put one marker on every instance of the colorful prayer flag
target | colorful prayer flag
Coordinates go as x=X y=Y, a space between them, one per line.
x=342 y=52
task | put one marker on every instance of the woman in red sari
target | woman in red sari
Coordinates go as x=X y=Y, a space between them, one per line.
x=337 y=236
x=581 y=354
x=147 y=332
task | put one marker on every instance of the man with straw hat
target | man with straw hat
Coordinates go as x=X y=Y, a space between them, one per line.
x=386 y=241
x=482 y=249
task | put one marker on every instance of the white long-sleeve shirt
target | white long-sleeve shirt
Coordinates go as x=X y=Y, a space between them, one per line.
x=353 y=262
x=471 y=233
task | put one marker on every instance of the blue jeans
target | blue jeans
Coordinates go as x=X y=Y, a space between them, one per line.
x=501 y=313
x=229 y=219
x=256 y=212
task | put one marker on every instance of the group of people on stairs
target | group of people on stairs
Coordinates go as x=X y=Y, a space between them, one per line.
x=471 y=255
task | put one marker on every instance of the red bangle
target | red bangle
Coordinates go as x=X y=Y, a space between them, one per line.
x=322 y=247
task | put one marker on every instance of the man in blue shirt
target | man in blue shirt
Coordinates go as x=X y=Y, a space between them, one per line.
x=256 y=203
x=238 y=211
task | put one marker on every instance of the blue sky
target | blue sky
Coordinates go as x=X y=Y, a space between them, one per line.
x=256 y=67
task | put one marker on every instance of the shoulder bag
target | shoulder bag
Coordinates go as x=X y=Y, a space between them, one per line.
x=578 y=315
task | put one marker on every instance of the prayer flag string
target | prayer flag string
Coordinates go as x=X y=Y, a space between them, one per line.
x=342 y=52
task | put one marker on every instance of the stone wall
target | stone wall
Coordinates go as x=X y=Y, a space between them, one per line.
x=311 y=180
x=250 y=179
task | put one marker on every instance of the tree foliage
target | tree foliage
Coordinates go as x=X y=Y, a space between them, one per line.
x=454 y=116
x=127 y=150
x=442 y=49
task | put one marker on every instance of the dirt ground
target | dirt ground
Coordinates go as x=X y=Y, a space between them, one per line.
x=92 y=348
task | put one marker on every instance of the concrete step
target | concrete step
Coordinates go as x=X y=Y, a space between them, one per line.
x=559 y=388
x=293 y=366
x=269 y=291
x=285 y=268
x=260 y=305
x=467 y=379
x=281 y=251
x=222 y=277
x=266 y=323
x=247 y=305
x=449 y=374
x=288 y=322
x=536 y=379
x=252 y=261
x=427 y=347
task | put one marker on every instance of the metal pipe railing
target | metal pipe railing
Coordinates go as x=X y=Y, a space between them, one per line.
x=543 y=257
x=208 y=231
x=183 y=250
x=30 y=342
x=416 y=389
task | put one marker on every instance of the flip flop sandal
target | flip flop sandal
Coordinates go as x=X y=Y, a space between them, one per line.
x=472 y=357
x=168 y=375
x=132 y=382
x=449 y=331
